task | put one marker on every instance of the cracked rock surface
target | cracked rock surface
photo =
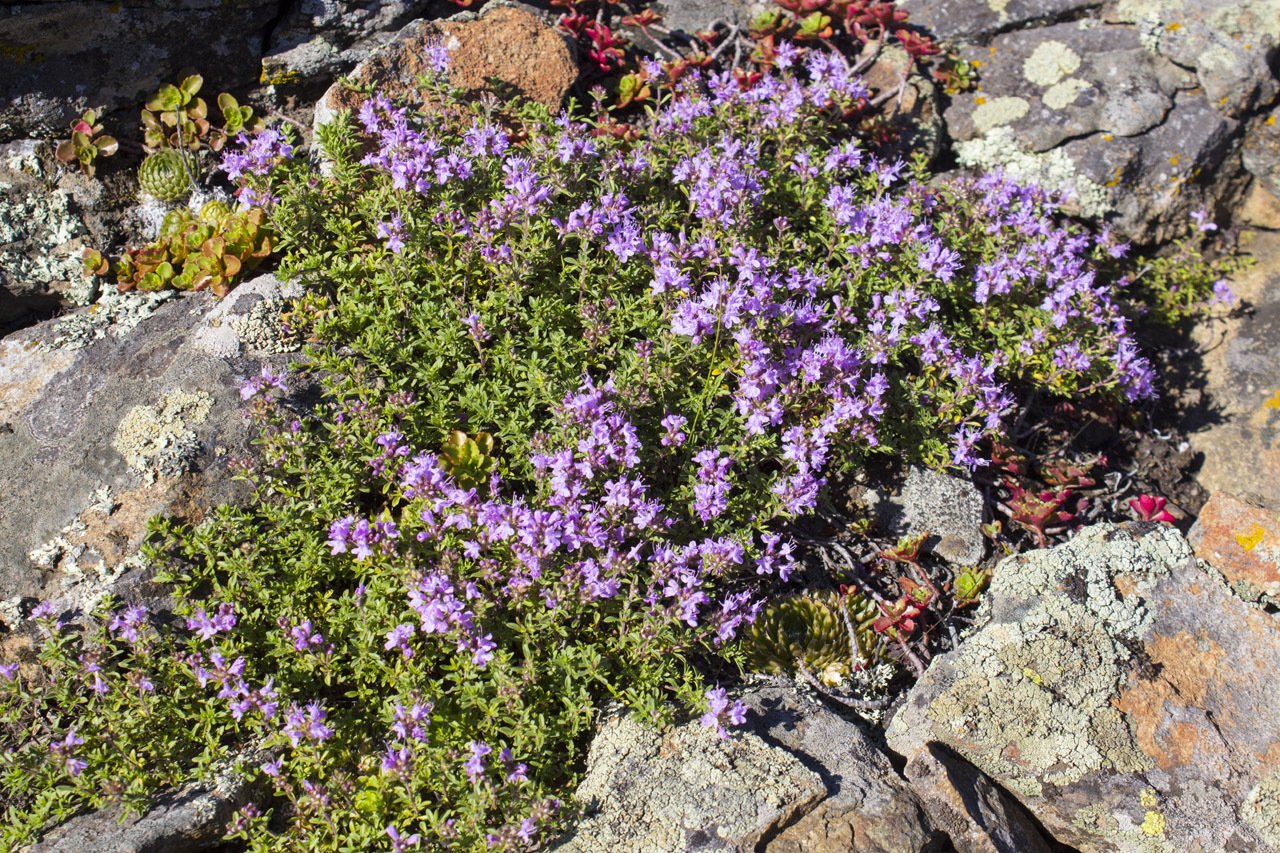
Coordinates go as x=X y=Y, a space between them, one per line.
x=1117 y=691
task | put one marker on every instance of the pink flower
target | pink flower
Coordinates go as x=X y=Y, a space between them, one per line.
x=1151 y=508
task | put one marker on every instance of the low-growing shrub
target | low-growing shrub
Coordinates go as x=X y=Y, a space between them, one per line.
x=576 y=385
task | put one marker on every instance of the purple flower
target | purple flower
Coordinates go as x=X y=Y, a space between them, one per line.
x=721 y=712
x=9 y=671
x=273 y=767
x=255 y=385
x=711 y=492
x=305 y=637
x=398 y=638
x=62 y=750
x=306 y=723
x=437 y=52
x=475 y=764
x=401 y=843
x=671 y=425
x=206 y=626
x=393 y=232
x=1222 y=293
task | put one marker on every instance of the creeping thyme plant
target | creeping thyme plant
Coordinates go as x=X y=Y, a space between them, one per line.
x=574 y=388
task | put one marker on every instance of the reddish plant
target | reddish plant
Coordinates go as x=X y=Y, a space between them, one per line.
x=1151 y=508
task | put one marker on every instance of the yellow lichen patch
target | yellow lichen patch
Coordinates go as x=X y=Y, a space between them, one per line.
x=1049 y=63
x=1153 y=824
x=1271 y=120
x=1173 y=27
x=999 y=111
x=1251 y=537
x=1274 y=401
x=1173 y=161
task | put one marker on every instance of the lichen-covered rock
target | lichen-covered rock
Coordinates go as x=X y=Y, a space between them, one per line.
x=507 y=41
x=99 y=431
x=1261 y=153
x=977 y=20
x=318 y=40
x=1241 y=362
x=185 y=821
x=1243 y=542
x=1232 y=45
x=58 y=59
x=1062 y=82
x=795 y=778
x=1121 y=693
x=947 y=508
x=41 y=238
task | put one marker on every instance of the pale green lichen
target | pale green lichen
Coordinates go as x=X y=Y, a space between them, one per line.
x=157 y=441
x=1050 y=62
x=999 y=111
x=1262 y=810
x=41 y=236
x=114 y=312
x=1062 y=95
x=261 y=329
x=1052 y=170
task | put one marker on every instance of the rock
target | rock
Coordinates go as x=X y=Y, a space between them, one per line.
x=509 y=42
x=1261 y=152
x=947 y=508
x=1121 y=693
x=187 y=821
x=59 y=59
x=41 y=238
x=1232 y=45
x=107 y=417
x=1243 y=542
x=796 y=777
x=689 y=16
x=915 y=114
x=977 y=20
x=1053 y=84
x=1241 y=357
x=1260 y=208
x=321 y=39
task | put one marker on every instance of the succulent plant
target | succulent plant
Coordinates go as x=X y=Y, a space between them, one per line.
x=468 y=460
x=176 y=117
x=814 y=630
x=86 y=144
x=166 y=174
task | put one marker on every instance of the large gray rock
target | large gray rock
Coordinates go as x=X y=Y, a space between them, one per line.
x=1052 y=84
x=948 y=509
x=1261 y=153
x=317 y=40
x=1232 y=45
x=976 y=20
x=1119 y=691
x=1241 y=361
x=60 y=58
x=114 y=413
x=185 y=821
x=796 y=777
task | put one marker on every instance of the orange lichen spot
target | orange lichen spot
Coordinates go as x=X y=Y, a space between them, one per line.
x=1106 y=137
x=1251 y=537
x=1173 y=161
x=1175 y=26
x=979 y=100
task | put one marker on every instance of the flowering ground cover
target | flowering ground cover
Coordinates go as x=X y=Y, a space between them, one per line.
x=573 y=384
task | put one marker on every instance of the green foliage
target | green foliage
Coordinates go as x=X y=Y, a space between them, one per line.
x=176 y=117
x=829 y=634
x=87 y=143
x=211 y=250
x=167 y=174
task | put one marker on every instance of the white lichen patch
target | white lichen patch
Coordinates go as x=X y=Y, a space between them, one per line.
x=1061 y=95
x=262 y=331
x=40 y=242
x=159 y=440
x=114 y=312
x=1050 y=62
x=1262 y=810
x=1052 y=170
x=999 y=111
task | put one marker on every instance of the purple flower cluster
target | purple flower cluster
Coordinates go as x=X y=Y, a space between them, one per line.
x=206 y=626
x=359 y=536
x=258 y=154
x=722 y=712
